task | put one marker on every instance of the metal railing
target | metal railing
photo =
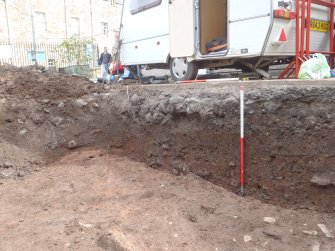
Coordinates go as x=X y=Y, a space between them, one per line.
x=48 y=54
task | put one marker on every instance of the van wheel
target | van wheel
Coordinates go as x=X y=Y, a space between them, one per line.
x=181 y=69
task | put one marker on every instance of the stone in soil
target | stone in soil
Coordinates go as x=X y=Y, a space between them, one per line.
x=324 y=179
x=72 y=144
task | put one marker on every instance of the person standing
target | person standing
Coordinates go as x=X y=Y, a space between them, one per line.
x=104 y=62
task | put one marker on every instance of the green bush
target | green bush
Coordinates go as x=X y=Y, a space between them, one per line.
x=77 y=53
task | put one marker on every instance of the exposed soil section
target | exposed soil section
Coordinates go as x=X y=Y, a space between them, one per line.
x=289 y=138
x=289 y=132
x=179 y=131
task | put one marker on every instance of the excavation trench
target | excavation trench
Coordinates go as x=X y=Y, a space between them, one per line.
x=289 y=133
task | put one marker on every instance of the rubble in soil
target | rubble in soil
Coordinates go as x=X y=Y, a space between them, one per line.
x=16 y=162
x=195 y=129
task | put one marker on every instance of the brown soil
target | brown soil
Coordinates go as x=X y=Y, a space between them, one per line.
x=65 y=196
x=16 y=162
x=31 y=82
x=90 y=200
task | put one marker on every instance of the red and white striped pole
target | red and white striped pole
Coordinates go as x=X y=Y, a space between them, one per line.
x=242 y=139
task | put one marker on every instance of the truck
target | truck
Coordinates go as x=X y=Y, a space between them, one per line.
x=250 y=34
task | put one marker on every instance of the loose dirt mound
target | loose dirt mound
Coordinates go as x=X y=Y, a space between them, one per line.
x=35 y=82
x=16 y=162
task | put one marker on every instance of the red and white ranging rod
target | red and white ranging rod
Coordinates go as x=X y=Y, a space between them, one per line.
x=242 y=139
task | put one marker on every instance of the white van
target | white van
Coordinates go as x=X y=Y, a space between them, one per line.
x=175 y=33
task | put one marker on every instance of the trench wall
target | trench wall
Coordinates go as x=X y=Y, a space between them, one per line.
x=289 y=133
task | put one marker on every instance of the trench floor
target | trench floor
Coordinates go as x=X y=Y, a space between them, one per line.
x=93 y=200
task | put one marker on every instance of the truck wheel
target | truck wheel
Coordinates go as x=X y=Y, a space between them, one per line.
x=181 y=69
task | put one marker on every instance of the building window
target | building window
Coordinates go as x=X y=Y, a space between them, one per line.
x=104 y=28
x=74 y=26
x=40 y=23
x=141 y=5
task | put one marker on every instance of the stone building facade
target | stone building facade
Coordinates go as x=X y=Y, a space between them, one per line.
x=56 y=20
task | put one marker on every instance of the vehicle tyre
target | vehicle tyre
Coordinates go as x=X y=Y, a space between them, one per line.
x=181 y=69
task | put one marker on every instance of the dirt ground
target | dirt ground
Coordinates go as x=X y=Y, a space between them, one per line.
x=32 y=82
x=93 y=200
x=93 y=167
